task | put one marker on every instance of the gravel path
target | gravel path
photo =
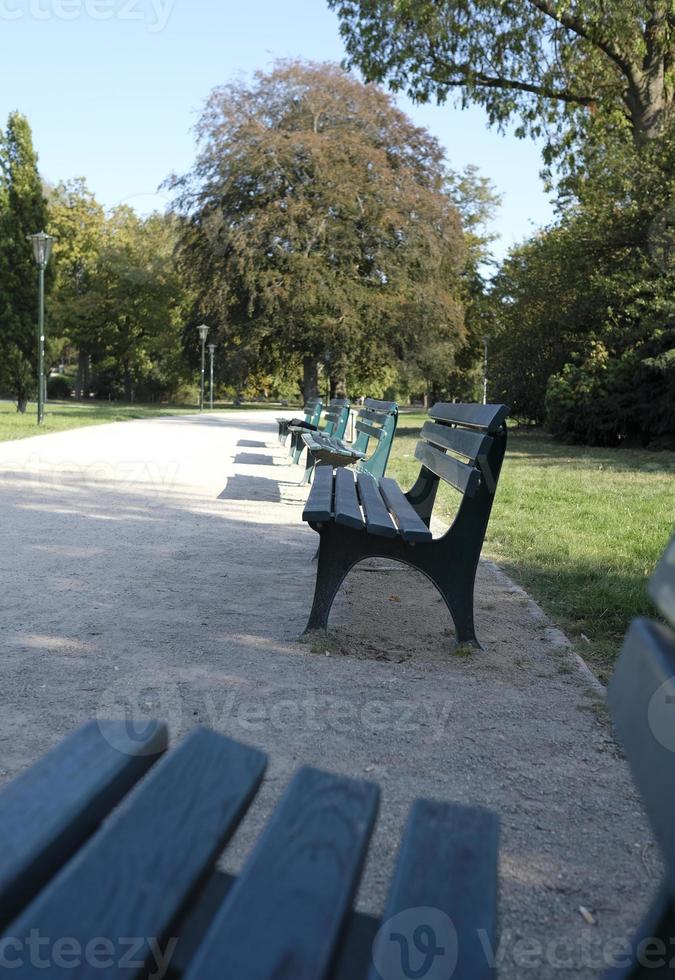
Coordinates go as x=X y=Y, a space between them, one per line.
x=164 y=563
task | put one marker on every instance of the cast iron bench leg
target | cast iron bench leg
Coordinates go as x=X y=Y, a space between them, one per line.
x=336 y=556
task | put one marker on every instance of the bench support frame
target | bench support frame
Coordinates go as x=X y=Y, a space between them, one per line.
x=449 y=562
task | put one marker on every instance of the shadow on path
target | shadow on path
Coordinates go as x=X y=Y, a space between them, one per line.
x=251 y=488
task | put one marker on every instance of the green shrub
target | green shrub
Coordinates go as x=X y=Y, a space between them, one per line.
x=609 y=400
x=59 y=388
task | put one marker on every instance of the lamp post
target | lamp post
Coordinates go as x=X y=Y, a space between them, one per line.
x=212 y=348
x=42 y=249
x=485 y=368
x=202 y=330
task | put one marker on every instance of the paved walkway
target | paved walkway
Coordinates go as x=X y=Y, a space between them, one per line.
x=163 y=564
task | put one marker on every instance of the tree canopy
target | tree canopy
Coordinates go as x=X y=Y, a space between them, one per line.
x=318 y=224
x=558 y=67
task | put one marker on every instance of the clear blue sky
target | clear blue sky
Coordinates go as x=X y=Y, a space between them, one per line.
x=112 y=89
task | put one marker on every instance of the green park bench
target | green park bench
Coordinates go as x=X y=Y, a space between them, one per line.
x=358 y=517
x=336 y=418
x=313 y=408
x=376 y=422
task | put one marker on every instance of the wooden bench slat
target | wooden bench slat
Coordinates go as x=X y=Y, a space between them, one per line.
x=447 y=867
x=378 y=518
x=284 y=915
x=641 y=698
x=135 y=875
x=50 y=810
x=460 y=475
x=466 y=442
x=347 y=509
x=411 y=526
x=372 y=414
x=661 y=586
x=379 y=405
x=319 y=506
x=487 y=417
x=371 y=430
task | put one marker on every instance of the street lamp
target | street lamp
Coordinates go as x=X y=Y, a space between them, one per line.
x=42 y=249
x=202 y=330
x=485 y=368
x=212 y=348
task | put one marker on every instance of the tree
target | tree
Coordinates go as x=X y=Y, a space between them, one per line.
x=139 y=303
x=318 y=228
x=555 y=65
x=78 y=222
x=586 y=308
x=23 y=212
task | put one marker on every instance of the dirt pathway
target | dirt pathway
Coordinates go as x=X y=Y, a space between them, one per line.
x=163 y=563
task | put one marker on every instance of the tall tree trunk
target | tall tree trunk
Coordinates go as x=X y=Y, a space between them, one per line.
x=338 y=377
x=128 y=385
x=82 y=374
x=310 y=377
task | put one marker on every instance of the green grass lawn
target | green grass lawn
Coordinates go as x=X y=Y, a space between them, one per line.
x=581 y=529
x=72 y=415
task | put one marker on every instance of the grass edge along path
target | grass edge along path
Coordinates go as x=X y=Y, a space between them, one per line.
x=61 y=416
x=580 y=528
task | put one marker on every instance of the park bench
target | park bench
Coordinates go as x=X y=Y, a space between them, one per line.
x=122 y=869
x=375 y=421
x=641 y=699
x=313 y=408
x=358 y=517
x=336 y=418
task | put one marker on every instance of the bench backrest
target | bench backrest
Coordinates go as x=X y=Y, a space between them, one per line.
x=463 y=445
x=375 y=421
x=641 y=700
x=313 y=409
x=336 y=418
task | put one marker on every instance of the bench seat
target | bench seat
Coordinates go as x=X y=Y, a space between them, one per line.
x=359 y=501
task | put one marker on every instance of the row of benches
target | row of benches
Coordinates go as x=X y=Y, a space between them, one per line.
x=360 y=513
x=114 y=875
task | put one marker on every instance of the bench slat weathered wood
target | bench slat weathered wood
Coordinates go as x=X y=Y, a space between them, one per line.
x=135 y=875
x=376 y=513
x=284 y=915
x=48 y=812
x=464 y=841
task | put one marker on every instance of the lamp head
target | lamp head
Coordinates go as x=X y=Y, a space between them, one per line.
x=202 y=330
x=42 y=248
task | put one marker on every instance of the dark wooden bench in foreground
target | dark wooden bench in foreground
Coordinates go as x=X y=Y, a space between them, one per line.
x=313 y=408
x=358 y=517
x=125 y=874
x=641 y=699
x=376 y=423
